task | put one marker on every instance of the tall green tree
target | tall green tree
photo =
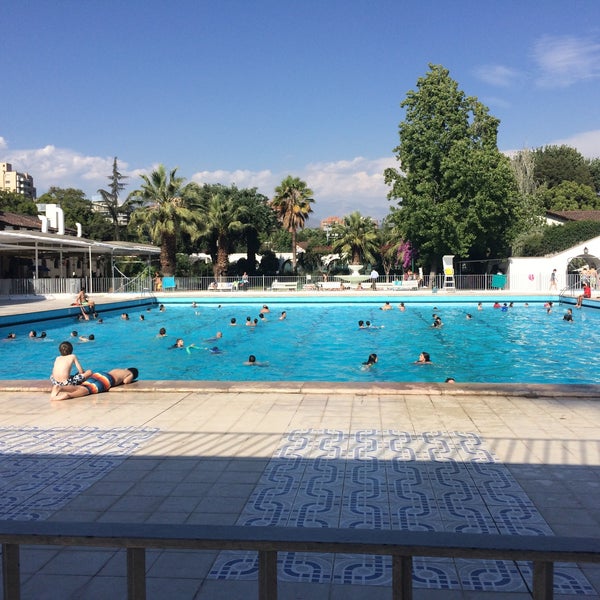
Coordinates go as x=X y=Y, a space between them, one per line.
x=356 y=238
x=555 y=164
x=110 y=198
x=164 y=213
x=456 y=192
x=594 y=166
x=224 y=218
x=259 y=220
x=291 y=203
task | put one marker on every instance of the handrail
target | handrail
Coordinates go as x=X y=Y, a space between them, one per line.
x=567 y=288
x=402 y=546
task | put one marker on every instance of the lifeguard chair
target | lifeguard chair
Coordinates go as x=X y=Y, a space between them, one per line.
x=448 y=264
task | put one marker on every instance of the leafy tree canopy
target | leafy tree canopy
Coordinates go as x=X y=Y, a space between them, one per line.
x=594 y=165
x=555 y=164
x=17 y=203
x=456 y=192
x=556 y=238
x=569 y=195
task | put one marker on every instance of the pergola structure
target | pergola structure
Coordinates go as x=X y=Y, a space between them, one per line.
x=34 y=244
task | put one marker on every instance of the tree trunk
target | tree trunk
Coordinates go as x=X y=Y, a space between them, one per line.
x=222 y=259
x=168 y=255
x=293 y=232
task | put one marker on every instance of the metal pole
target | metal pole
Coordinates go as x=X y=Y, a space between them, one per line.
x=136 y=573
x=90 y=270
x=11 y=575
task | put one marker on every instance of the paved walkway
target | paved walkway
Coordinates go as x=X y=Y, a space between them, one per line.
x=473 y=463
x=419 y=457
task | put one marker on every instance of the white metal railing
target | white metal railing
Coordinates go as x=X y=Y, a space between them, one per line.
x=402 y=546
x=142 y=284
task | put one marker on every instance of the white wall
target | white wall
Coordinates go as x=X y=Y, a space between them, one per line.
x=532 y=274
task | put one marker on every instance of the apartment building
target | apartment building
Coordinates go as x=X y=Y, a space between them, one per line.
x=13 y=181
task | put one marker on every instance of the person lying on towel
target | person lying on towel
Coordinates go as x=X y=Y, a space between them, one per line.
x=98 y=383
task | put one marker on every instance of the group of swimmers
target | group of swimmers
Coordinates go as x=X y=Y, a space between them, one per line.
x=180 y=343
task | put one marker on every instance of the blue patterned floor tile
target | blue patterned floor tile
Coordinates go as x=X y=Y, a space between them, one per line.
x=433 y=481
x=44 y=469
x=490 y=575
x=362 y=569
x=567 y=579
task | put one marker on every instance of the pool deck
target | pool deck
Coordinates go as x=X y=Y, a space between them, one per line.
x=492 y=458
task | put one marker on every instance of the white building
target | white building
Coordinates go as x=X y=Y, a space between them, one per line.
x=12 y=181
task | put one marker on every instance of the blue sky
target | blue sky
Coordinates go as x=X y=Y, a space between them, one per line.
x=249 y=91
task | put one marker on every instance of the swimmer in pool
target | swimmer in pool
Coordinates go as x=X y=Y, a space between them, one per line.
x=386 y=306
x=424 y=359
x=98 y=383
x=216 y=337
x=252 y=362
x=370 y=361
x=283 y=316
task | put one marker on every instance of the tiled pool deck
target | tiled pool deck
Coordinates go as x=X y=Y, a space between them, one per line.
x=489 y=459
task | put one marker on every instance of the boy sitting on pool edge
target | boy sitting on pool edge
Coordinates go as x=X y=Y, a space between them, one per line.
x=97 y=383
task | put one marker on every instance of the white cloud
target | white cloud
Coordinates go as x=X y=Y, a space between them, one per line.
x=340 y=187
x=587 y=142
x=497 y=75
x=565 y=60
x=61 y=167
x=242 y=178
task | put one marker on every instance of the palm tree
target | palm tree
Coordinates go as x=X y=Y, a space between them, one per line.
x=110 y=198
x=224 y=217
x=355 y=238
x=292 y=204
x=164 y=214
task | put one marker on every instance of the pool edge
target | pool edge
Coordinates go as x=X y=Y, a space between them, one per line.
x=532 y=390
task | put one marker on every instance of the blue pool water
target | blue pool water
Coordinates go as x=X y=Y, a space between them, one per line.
x=322 y=342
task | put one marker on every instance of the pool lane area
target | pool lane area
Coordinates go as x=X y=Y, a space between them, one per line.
x=510 y=459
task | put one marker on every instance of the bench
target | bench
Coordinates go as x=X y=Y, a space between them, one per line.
x=331 y=285
x=223 y=286
x=284 y=285
x=407 y=284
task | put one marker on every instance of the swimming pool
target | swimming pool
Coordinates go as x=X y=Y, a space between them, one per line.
x=322 y=342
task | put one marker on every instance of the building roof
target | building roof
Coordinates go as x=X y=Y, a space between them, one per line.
x=573 y=215
x=13 y=241
x=24 y=233
x=19 y=221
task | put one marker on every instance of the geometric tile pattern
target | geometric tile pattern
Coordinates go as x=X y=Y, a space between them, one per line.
x=433 y=481
x=43 y=469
